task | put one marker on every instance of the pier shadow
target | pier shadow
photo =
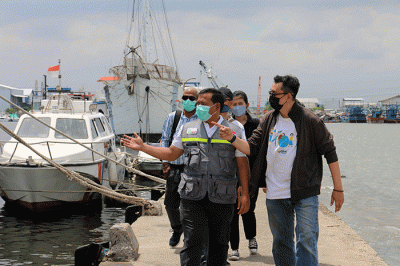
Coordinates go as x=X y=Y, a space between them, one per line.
x=267 y=260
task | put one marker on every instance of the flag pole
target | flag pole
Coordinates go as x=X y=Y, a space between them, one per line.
x=59 y=72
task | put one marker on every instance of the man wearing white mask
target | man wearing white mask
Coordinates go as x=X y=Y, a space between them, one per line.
x=172 y=170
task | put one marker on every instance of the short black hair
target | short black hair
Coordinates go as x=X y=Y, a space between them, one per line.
x=242 y=95
x=227 y=93
x=291 y=84
x=217 y=96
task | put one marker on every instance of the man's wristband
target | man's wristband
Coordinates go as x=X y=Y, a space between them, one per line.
x=233 y=139
x=338 y=190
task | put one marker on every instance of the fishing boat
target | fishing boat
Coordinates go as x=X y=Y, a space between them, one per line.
x=356 y=115
x=32 y=183
x=375 y=117
x=391 y=114
x=144 y=89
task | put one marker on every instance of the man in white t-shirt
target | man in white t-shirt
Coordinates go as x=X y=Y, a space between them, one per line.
x=288 y=146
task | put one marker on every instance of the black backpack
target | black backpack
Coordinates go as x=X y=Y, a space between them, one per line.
x=175 y=124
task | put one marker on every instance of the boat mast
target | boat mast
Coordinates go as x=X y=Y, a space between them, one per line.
x=147 y=40
x=59 y=72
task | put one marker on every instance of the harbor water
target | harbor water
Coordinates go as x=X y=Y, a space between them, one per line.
x=369 y=162
x=370 y=165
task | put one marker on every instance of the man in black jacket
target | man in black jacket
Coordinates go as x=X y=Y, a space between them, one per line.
x=288 y=145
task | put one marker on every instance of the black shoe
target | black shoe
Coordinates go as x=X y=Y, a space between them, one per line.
x=176 y=237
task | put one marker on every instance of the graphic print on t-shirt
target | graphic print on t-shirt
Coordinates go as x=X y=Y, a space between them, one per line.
x=280 y=157
x=282 y=140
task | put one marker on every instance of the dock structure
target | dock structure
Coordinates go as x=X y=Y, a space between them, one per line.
x=338 y=243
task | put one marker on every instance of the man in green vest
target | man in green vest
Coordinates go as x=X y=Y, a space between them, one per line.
x=208 y=182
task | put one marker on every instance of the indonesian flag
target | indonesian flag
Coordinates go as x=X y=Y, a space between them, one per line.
x=54 y=71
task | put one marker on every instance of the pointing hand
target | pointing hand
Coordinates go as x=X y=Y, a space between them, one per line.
x=135 y=143
x=224 y=132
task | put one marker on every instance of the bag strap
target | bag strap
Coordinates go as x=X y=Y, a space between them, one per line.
x=175 y=124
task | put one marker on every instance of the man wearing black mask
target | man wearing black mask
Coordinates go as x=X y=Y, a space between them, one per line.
x=289 y=144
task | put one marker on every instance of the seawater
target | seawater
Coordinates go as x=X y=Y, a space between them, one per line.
x=369 y=161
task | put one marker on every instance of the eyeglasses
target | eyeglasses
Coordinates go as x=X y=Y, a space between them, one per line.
x=185 y=97
x=271 y=93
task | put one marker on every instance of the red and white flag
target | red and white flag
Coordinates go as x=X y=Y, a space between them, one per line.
x=54 y=71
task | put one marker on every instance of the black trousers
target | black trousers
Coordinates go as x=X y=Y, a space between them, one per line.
x=249 y=224
x=204 y=221
x=172 y=198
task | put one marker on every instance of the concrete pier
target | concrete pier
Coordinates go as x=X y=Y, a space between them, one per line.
x=338 y=243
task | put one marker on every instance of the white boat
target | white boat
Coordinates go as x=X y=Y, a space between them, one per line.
x=144 y=89
x=31 y=182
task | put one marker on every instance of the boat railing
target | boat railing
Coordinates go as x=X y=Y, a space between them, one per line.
x=92 y=145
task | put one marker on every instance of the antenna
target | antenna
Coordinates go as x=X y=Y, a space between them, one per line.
x=259 y=97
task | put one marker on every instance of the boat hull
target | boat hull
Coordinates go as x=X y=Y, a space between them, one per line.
x=40 y=189
x=375 y=120
x=131 y=105
x=391 y=121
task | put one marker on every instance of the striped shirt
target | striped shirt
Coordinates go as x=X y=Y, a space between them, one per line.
x=167 y=128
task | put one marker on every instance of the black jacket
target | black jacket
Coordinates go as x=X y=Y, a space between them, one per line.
x=313 y=141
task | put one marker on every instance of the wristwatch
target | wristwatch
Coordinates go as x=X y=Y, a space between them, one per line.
x=233 y=139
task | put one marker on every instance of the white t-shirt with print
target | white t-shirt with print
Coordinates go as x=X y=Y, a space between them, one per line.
x=280 y=156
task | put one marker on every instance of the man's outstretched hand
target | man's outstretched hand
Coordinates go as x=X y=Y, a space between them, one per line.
x=135 y=143
x=224 y=132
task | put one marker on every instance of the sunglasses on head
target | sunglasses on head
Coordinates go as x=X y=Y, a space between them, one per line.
x=185 y=97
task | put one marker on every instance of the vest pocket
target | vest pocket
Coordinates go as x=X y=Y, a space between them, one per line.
x=192 y=158
x=191 y=187
x=223 y=190
x=227 y=161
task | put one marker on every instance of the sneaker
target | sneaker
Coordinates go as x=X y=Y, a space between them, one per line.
x=234 y=255
x=176 y=237
x=253 y=246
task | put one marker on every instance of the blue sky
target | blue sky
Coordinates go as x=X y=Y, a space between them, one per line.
x=336 y=48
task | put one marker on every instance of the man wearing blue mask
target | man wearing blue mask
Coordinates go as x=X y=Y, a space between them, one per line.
x=208 y=184
x=172 y=169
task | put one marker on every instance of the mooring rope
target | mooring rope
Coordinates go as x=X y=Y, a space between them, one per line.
x=83 y=180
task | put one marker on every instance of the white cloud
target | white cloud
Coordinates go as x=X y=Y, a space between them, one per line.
x=340 y=42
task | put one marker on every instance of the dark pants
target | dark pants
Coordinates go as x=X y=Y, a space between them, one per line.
x=249 y=224
x=204 y=220
x=172 y=198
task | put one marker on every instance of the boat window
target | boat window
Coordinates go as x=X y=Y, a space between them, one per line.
x=99 y=125
x=105 y=122
x=30 y=128
x=94 y=130
x=74 y=128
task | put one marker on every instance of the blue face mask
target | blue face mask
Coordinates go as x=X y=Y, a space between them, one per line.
x=239 y=110
x=202 y=112
x=189 y=105
x=225 y=109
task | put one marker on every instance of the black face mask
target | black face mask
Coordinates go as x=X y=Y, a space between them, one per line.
x=274 y=102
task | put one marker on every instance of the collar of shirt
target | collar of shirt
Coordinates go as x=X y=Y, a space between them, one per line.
x=211 y=130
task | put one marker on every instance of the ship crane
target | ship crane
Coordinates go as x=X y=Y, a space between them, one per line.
x=210 y=75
